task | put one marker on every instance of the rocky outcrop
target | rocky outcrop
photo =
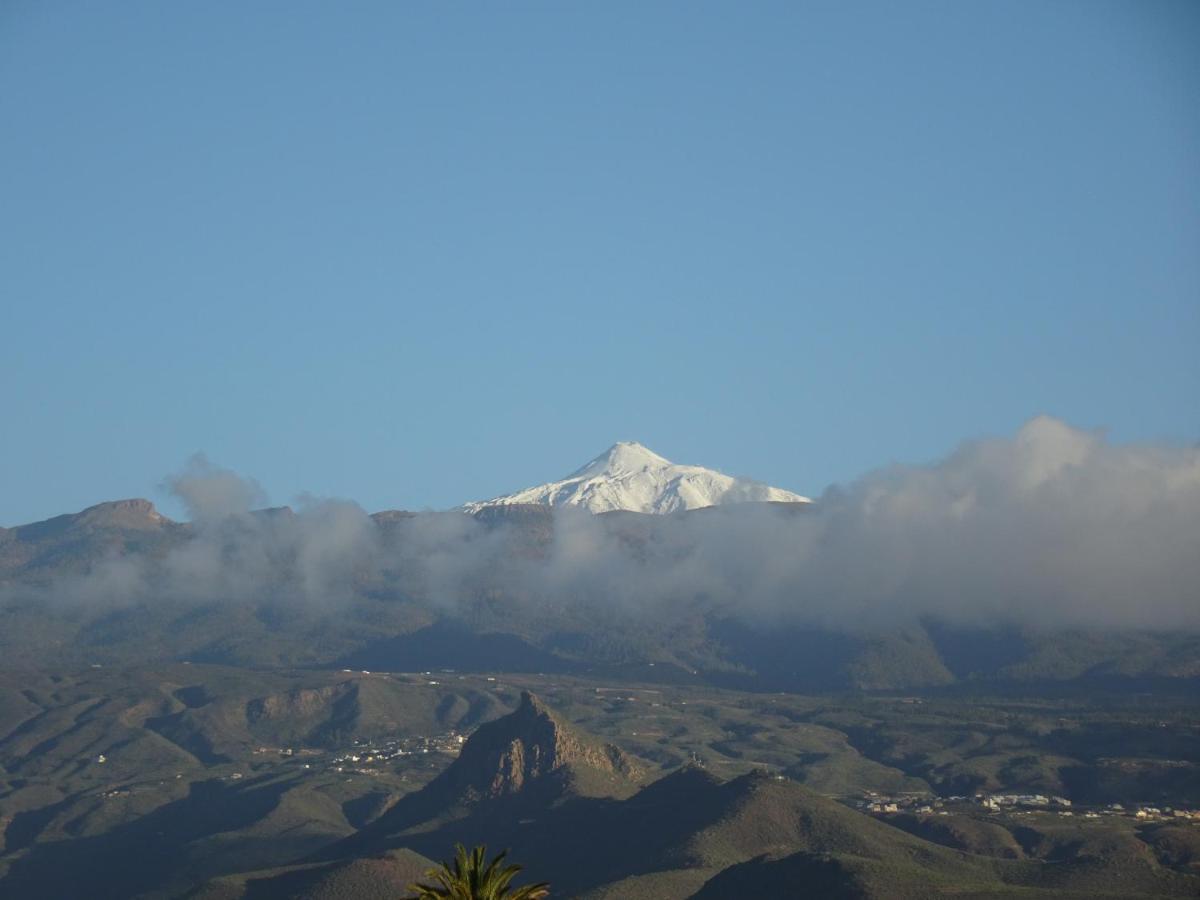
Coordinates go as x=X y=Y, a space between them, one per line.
x=530 y=744
x=529 y=759
x=126 y=515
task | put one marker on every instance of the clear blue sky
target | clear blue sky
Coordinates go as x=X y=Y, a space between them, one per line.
x=419 y=253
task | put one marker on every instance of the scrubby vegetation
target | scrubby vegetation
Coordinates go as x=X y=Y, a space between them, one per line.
x=168 y=780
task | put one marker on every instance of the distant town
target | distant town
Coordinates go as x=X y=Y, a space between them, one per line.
x=1013 y=803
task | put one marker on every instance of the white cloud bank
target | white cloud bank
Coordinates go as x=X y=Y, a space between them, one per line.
x=1053 y=527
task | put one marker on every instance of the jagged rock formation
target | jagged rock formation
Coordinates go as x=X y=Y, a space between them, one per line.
x=528 y=759
x=532 y=743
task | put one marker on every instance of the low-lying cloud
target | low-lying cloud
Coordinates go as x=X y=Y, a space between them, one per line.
x=210 y=493
x=1053 y=527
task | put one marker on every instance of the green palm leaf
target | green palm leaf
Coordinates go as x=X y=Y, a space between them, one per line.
x=470 y=877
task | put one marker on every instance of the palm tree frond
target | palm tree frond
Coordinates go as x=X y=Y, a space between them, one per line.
x=471 y=877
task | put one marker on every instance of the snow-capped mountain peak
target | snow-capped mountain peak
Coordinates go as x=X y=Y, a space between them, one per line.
x=630 y=476
x=622 y=458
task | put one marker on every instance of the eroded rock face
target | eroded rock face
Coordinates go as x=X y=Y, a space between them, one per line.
x=531 y=743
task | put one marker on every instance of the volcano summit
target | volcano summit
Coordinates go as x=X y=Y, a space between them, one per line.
x=629 y=476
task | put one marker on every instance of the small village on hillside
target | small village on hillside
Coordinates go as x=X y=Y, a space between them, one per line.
x=1014 y=804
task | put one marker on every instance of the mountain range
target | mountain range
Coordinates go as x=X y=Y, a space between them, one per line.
x=532 y=586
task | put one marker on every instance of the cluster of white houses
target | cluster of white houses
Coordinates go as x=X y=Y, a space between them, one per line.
x=1166 y=812
x=366 y=753
x=1034 y=801
x=880 y=804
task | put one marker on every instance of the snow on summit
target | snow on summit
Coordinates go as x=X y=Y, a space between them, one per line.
x=629 y=476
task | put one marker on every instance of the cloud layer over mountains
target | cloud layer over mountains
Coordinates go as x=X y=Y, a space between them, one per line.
x=1053 y=527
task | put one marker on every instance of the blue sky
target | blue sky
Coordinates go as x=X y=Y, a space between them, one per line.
x=415 y=254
